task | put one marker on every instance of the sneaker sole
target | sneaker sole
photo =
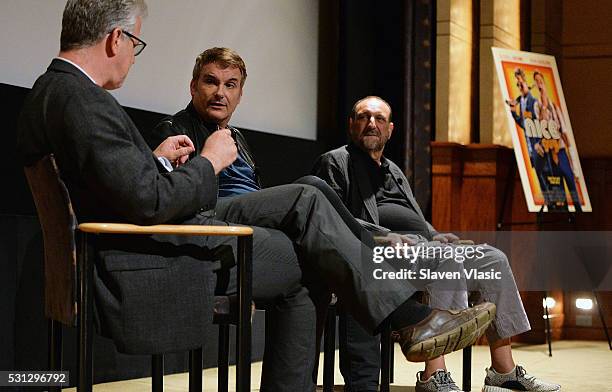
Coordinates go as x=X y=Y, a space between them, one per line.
x=489 y=388
x=461 y=337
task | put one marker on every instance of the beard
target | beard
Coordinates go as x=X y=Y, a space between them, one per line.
x=373 y=144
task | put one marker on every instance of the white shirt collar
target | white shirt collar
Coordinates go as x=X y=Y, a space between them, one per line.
x=78 y=67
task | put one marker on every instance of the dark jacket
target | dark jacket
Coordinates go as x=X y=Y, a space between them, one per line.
x=344 y=169
x=188 y=122
x=152 y=297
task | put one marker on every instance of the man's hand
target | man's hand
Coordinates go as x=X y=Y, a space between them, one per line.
x=445 y=237
x=392 y=239
x=220 y=149
x=176 y=149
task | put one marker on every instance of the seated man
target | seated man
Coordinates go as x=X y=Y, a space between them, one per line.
x=218 y=77
x=112 y=175
x=375 y=190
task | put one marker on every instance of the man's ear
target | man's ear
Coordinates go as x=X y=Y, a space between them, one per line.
x=192 y=86
x=112 y=42
x=390 y=129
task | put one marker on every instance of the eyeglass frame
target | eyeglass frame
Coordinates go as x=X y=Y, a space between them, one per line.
x=139 y=45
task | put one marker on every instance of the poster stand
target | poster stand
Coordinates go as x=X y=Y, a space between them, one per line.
x=540 y=221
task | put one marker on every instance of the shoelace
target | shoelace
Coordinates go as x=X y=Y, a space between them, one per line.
x=522 y=373
x=444 y=380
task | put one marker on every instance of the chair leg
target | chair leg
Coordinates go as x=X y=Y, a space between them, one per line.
x=467 y=369
x=329 y=350
x=385 y=359
x=157 y=373
x=85 y=317
x=195 y=370
x=602 y=318
x=547 y=325
x=391 y=361
x=245 y=296
x=55 y=349
x=223 y=358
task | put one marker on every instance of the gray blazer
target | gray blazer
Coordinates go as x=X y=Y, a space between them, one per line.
x=151 y=293
x=345 y=171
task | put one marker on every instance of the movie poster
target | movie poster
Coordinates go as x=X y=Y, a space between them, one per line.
x=541 y=131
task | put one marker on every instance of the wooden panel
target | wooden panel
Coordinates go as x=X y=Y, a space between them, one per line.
x=468 y=188
x=468 y=185
x=598 y=178
x=585 y=22
x=587 y=87
x=485 y=171
x=532 y=301
x=577 y=320
x=446 y=184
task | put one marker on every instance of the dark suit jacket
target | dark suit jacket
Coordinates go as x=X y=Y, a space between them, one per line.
x=345 y=171
x=151 y=296
x=188 y=122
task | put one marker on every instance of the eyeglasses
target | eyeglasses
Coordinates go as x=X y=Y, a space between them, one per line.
x=139 y=45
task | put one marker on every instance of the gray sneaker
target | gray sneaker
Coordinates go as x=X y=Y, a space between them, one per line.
x=516 y=380
x=440 y=381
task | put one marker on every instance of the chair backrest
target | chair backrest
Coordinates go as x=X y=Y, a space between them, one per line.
x=58 y=223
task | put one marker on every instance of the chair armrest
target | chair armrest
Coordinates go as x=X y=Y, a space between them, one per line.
x=125 y=228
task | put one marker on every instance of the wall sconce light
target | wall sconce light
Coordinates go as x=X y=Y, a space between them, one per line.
x=549 y=302
x=584 y=303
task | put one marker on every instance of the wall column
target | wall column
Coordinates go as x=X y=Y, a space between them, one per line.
x=499 y=27
x=453 y=70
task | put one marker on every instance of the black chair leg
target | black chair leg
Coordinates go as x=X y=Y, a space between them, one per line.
x=385 y=358
x=223 y=358
x=157 y=373
x=85 y=316
x=602 y=318
x=547 y=325
x=467 y=369
x=391 y=361
x=329 y=350
x=195 y=370
x=245 y=297
x=55 y=349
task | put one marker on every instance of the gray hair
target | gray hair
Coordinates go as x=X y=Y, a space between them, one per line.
x=85 y=22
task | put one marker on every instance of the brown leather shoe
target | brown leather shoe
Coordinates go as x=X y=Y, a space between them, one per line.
x=444 y=331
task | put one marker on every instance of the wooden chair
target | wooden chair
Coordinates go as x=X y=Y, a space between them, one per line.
x=69 y=277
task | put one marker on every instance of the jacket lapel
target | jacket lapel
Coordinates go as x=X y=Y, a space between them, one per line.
x=364 y=187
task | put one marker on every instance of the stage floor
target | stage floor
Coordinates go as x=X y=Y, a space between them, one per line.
x=579 y=366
